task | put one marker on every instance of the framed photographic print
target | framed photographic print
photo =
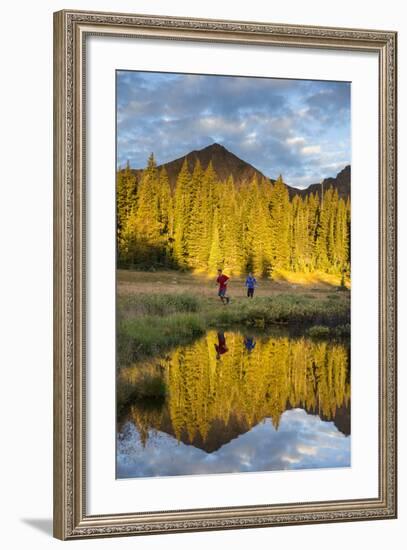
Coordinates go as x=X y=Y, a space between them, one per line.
x=225 y=274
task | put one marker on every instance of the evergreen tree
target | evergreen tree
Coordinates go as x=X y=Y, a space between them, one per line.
x=150 y=246
x=181 y=216
x=230 y=227
x=332 y=240
x=125 y=194
x=249 y=197
x=324 y=233
x=299 y=235
x=215 y=260
x=259 y=234
x=348 y=233
x=208 y=203
x=165 y=215
x=312 y=206
x=280 y=214
x=197 y=219
x=128 y=239
x=126 y=187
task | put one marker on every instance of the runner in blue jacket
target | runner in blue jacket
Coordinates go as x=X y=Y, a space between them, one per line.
x=251 y=283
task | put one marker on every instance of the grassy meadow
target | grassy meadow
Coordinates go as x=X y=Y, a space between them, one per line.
x=159 y=310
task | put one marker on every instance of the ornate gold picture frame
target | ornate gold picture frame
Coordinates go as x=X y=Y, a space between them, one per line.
x=71 y=31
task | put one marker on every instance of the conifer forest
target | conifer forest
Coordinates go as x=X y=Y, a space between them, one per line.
x=205 y=223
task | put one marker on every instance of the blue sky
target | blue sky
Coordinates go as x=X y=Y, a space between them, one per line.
x=297 y=128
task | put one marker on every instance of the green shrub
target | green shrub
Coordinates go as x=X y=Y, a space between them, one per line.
x=150 y=335
x=318 y=331
x=342 y=330
x=149 y=388
x=158 y=304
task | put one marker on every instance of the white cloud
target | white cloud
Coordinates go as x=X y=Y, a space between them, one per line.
x=302 y=182
x=302 y=112
x=307 y=450
x=336 y=165
x=297 y=140
x=311 y=150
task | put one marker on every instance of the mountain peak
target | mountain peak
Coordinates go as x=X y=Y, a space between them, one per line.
x=213 y=149
x=215 y=146
x=224 y=162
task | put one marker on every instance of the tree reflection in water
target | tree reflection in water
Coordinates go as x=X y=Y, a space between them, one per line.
x=226 y=383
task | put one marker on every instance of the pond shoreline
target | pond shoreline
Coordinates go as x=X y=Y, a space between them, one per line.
x=152 y=324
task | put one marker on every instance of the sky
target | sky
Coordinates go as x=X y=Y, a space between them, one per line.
x=297 y=128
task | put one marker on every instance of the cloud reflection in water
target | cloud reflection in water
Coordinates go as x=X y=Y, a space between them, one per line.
x=301 y=441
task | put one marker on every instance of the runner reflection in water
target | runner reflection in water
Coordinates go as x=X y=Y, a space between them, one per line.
x=249 y=343
x=220 y=347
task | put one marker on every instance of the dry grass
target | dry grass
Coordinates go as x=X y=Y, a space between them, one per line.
x=311 y=279
x=167 y=282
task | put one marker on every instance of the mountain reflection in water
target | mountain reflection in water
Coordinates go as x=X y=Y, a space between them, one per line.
x=264 y=403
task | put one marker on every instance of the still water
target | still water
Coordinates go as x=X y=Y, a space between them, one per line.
x=237 y=402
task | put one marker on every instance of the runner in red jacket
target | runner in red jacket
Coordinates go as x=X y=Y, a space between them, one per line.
x=222 y=281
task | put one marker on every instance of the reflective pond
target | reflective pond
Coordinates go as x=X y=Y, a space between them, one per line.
x=236 y=402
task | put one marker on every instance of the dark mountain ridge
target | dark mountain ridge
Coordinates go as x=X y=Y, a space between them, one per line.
x=226 y=163
x=341 y=182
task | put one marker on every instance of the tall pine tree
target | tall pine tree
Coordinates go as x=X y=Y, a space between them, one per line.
x=182 y=216
x=280 y=214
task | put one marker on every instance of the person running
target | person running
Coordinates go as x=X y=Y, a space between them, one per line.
x=221 y=347
x=251 y=283
x=222 y=281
